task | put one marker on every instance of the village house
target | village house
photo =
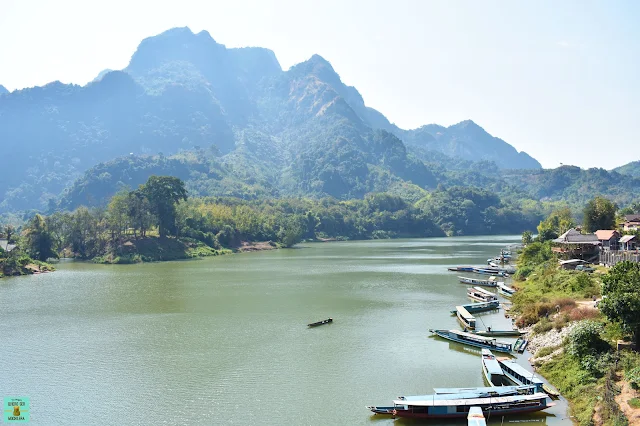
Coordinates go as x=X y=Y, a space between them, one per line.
x=608 y=238
x=628 y=243
x=631 y=222
x=574 y=245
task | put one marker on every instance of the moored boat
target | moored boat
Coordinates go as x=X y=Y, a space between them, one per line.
x=457 y=408
x=492 y=370
x=481 y=294
x=519 y=375
x=520 y=345
x=323 y=322
x=505 y=289
x=465 y=318
x=489 y=271
x=479 y=306
x=491 y=282
x=461 y=269
x=497 y=333
x=474 y=340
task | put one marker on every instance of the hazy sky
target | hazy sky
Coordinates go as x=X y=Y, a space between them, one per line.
x=557 y=79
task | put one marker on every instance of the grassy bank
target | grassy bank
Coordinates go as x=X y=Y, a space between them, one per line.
x=588 y=371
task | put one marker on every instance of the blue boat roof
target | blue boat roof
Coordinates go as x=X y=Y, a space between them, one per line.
x=493 y=367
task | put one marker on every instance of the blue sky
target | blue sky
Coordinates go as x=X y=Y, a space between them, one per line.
x=558 y=80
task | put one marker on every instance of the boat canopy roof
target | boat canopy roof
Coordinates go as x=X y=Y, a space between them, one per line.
x=464 y=313
x=517 y=368
x=488 y=389
x=472 y=336
x=453 y=401
x=461 y=395
x=483 y=291
x=493 y=367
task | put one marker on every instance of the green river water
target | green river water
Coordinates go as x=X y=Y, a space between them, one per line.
x=224 y=341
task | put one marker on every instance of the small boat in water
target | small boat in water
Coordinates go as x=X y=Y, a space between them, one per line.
x=520 y=345
x=491 y=282
x=323 y=322
x=481 y=294
x=474 y=340
x=492 y=370
x=456 y=407
x=505 y=289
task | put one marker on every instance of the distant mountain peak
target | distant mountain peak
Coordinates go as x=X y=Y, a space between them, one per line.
x=3 y=90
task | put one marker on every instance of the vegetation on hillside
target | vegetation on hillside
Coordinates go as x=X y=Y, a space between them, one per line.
x=585 y=367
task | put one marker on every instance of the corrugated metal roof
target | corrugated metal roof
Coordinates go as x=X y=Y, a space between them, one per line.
x=627 y=238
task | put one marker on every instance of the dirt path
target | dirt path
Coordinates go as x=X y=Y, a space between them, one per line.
x=626 y=393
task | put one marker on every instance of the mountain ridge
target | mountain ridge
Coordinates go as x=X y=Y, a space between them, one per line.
x=301 y=131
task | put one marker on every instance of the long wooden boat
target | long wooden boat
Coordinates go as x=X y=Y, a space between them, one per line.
x=498 y=333
x=492 y=370
x=461 y=269
x=519 y=375
x=460 y=393
x=323 y=322
x=491 y=282
x=459 y=408
x=481 y=294
x=489 y=271
x=480 y=306
x=474 y=340
x=465 y=318
x=505 y=289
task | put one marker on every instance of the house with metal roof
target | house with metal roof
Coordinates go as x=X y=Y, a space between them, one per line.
x=608 y=238
x=574 y=245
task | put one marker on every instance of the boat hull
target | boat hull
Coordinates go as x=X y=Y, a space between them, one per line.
x=498 y=412
x=498 y=333
x=471 y=343
x=319 y=323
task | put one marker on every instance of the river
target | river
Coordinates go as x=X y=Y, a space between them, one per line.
x=224 y=341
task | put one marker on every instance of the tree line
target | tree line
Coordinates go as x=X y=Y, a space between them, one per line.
x=162 y=208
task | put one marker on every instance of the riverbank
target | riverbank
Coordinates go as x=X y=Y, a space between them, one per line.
x=573 y=345
x=22 y=265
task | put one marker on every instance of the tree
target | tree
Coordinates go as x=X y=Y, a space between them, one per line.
x=9 y=231
x=39 y=241
x=599 y=213
x=621 y=296
x=139 y=212
x=118 y=219
x=558 y=222
x=163 y=193
x=527 y=237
